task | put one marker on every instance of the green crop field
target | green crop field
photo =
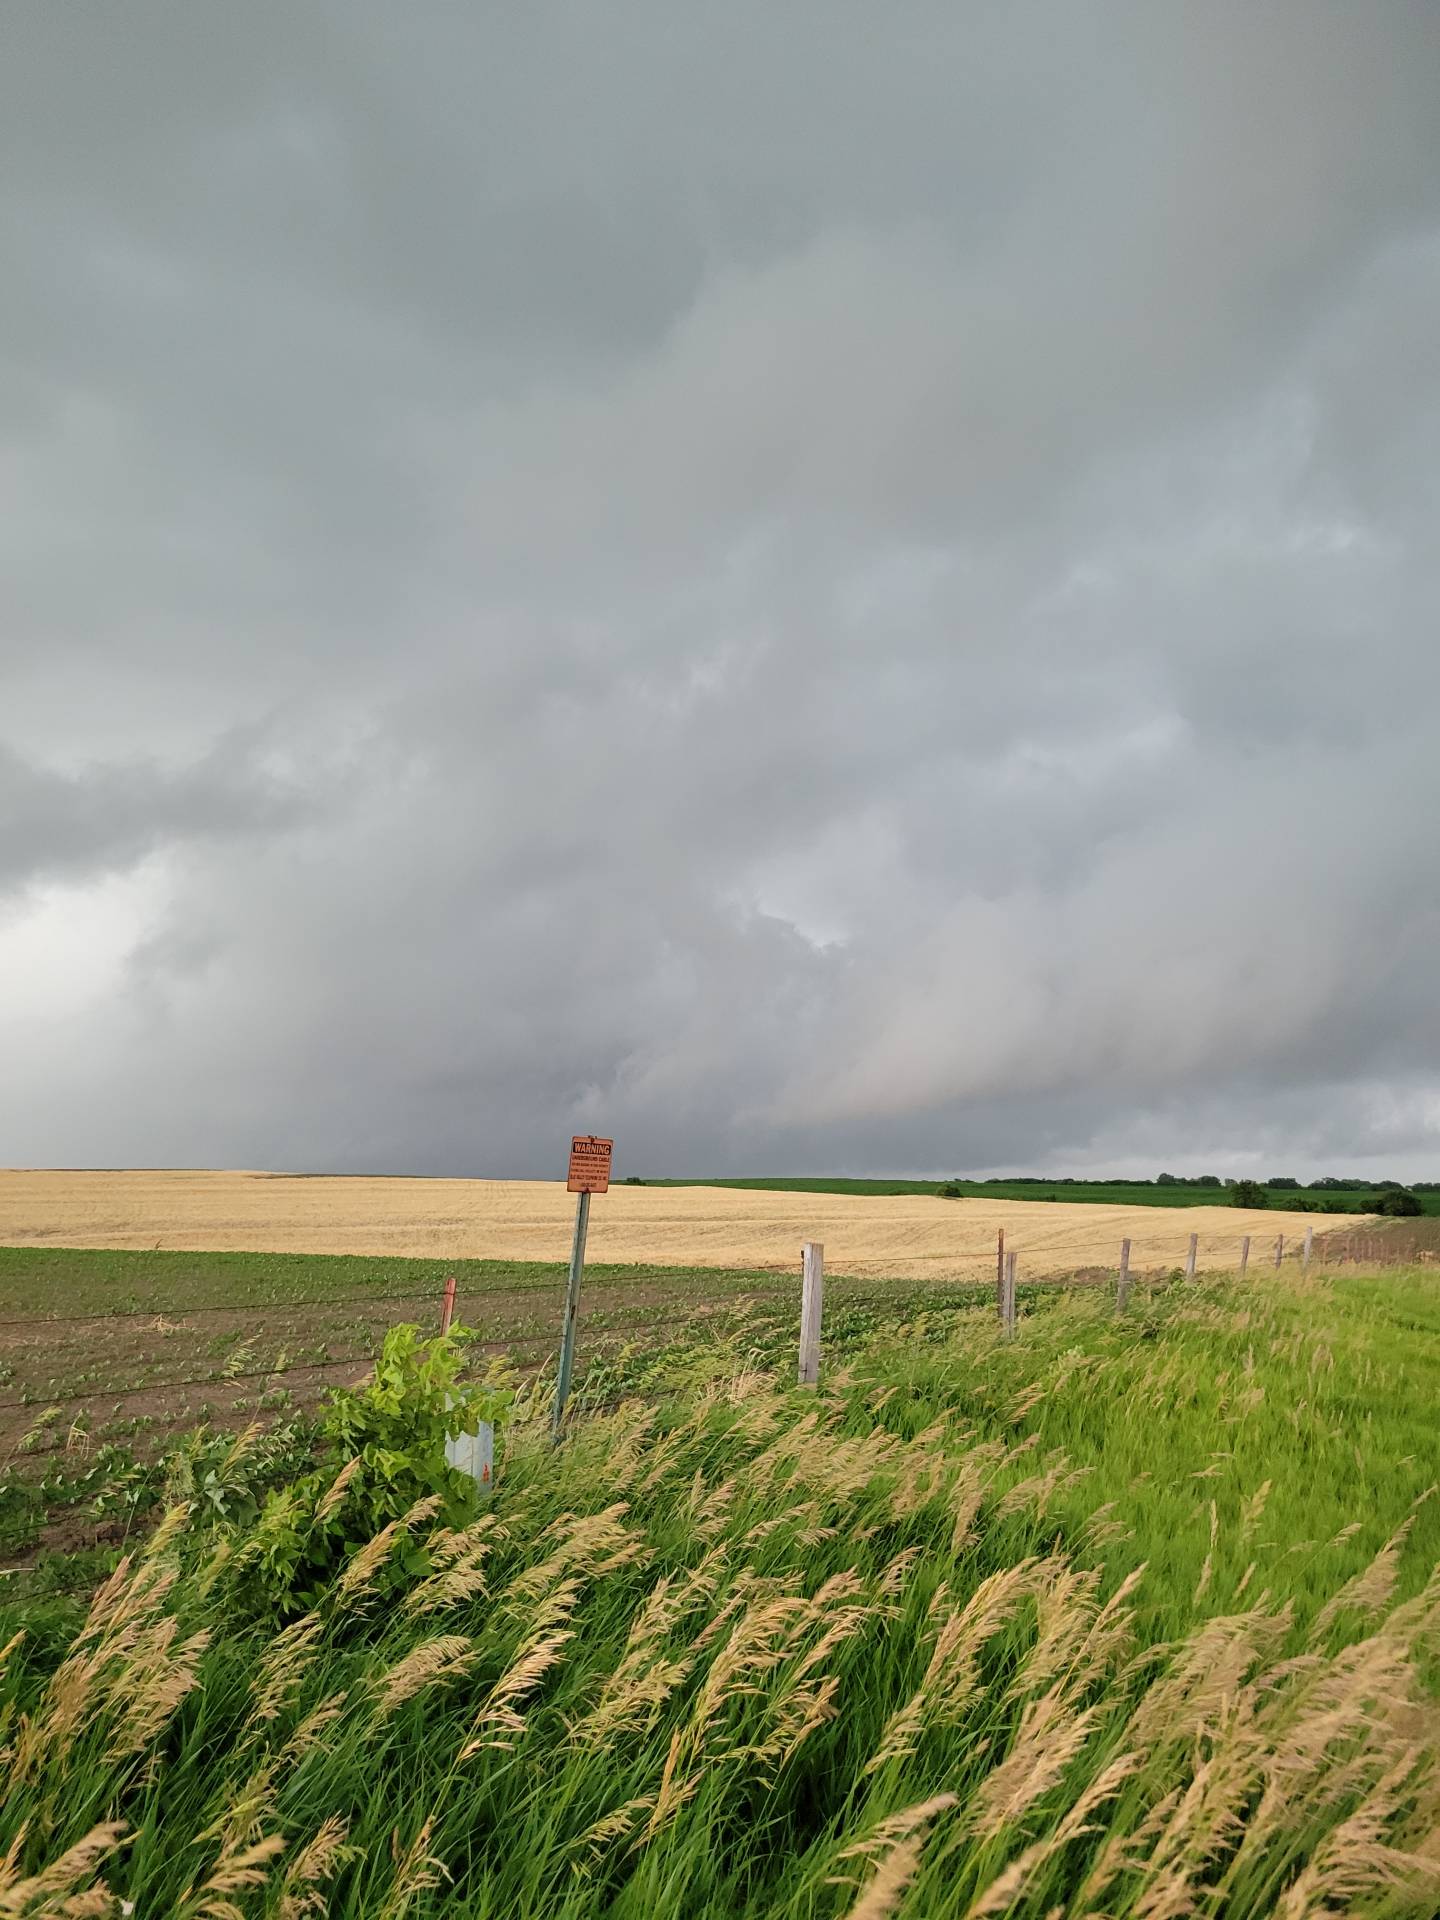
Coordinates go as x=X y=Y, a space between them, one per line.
x=1115 y=1193
x=108 y=1355
x=1127 y=1616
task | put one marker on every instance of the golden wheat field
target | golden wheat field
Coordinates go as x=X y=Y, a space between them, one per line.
x=905 y=1237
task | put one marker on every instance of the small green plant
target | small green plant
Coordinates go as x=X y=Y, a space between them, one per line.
x=1249 y=1193
x=222 y=1477
x=398 y=1421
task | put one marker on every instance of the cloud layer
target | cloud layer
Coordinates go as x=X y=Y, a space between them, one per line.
x=815 y=597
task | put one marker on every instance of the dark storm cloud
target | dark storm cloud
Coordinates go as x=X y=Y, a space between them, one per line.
x=67 y=826
x=818 y=590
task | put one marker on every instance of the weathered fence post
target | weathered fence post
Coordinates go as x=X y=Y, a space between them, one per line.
x=1122 y=1292
x=1309 y=1243
x=1190 y=1256
x=1244 y=1255
x=1008 y=1312
x=447 y=1305
x=1279 y=1249
x=812 y=1301
x=1000 y=1272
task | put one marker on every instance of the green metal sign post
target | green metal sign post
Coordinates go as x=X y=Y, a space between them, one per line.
x=589 y=1173
x=572 y=1313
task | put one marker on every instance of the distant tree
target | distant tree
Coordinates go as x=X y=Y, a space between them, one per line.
x=1398 y=1203
x=1285 y=1185
x=1207 y=1180
x=951 y=1190
x=1166 y=1180
x=1248 y=1193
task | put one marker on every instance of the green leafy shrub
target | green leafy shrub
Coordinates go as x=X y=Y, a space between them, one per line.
x=1398 y=1204
x=379 y=1453
x=1249 y=1193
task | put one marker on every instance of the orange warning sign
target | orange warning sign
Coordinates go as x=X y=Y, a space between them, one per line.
x=589 y=1164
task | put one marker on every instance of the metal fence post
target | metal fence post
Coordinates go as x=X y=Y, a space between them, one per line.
x=572 y=1314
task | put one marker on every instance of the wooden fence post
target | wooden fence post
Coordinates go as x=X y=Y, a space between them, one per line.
x=1309 y=1243
x=447 y=1305
x=1190 y=1256
x=812 y=1301
x=1244 y=1255
x=1122 y=1292
x=1009 y=1305
x=1000 y=1272
x=1279 y=1249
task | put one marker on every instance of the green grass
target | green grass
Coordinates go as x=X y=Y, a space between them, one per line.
x=1121 y=1617
x=1114 y=1193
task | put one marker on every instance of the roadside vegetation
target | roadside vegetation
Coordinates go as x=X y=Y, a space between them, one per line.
x=1127 y=1617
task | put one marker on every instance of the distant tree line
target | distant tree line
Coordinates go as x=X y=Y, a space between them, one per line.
x=1390 y=1197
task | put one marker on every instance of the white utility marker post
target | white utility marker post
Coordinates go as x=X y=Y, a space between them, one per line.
x=1280 y=1249
x=1008 y=1313
x=1309 y=1244
x=474 y=1453
x=1190 y=1256
x=589 y=1173
x=1244 y=1255
x=1122 y=1292
x=812 y=1306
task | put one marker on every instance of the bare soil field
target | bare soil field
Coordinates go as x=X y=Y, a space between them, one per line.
x=912 y=1237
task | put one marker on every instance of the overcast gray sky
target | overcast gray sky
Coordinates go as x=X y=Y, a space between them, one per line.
x=819 y=587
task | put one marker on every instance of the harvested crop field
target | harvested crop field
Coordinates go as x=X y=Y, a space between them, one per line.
x=910 y=1236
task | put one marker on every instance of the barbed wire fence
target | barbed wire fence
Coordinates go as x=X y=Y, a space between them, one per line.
x=1135 y=1257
